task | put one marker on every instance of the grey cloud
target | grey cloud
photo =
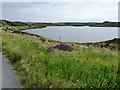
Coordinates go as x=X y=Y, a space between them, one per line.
x=60 y=11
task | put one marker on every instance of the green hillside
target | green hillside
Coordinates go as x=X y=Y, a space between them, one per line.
x=86 y=66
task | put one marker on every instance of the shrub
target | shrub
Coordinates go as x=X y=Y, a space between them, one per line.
x=42 y=39
x=63 y=47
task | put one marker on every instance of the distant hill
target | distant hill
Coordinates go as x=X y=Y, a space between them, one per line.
x=16 y=23
x=91 y=24
x=94 y=24
x=107 y=24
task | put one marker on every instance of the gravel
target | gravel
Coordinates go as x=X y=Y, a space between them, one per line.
x=8 y=77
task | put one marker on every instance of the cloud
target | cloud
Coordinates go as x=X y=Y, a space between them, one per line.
x=60 y=1
x=61 y=11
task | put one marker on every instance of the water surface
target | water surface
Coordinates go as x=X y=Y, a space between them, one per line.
x=76 y=34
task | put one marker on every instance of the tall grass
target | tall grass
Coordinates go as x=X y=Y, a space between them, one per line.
x=90 y=67
x=0 y=40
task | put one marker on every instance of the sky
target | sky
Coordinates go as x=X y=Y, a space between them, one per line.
x=60 y=11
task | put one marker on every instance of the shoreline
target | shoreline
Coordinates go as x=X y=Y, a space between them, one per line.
x=110 y=44
x=20 y=32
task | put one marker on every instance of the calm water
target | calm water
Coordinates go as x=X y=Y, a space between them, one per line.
x=76 y=34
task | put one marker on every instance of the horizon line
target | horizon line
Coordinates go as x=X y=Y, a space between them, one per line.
x=60 y=21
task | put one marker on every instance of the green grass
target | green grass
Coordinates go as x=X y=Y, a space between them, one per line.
x=84 y=67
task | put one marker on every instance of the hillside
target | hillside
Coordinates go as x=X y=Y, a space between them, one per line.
x=83 y=67
x=86 y=65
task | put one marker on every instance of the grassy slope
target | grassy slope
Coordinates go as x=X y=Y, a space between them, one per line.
x=0 y=41
x=83 y=67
